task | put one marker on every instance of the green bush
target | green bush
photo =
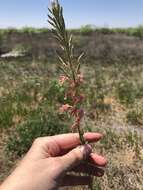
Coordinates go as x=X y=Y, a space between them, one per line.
x=87 y=29
x=20 y=141
x=138 y=31
x=31 y=30
x=28 y=30
x=12 y=105
x=105 y=30
x=6 y=113
x=19 y=102
x=127 y=92
x=55 y=92
x=140 y=91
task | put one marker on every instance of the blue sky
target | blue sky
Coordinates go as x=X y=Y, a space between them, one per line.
x=113 y=13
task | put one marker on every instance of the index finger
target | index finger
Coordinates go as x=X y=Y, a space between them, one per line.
x=71 y=140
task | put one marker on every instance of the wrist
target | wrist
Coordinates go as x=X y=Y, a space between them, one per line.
x=13 y=182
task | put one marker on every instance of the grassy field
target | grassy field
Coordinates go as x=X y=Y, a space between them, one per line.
x=30 y=97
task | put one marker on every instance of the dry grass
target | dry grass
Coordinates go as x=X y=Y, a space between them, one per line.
x=108 y=104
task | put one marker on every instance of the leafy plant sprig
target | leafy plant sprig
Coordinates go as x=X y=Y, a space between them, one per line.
x=69 y=65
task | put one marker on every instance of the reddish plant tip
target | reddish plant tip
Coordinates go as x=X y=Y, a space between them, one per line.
x=65 y=108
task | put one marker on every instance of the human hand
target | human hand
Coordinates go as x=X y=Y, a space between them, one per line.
x=46 y=164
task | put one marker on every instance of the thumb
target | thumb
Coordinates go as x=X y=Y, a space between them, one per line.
x=75 y=156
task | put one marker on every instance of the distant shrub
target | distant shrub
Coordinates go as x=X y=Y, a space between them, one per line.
x=87 y=29
x=43 y=30
x=28 y=30
x=105 y=30
x=138 y=31
x=1 y=40
x=31 y=30
x=45 y=125
x=8 y=31
x=22 y=48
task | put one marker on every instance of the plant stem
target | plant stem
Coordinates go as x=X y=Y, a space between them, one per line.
x=57 y=22
x=81 y=133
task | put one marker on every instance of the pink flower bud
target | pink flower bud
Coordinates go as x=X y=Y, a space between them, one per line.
x=62 y=79
x=80 y=78
x=74 y=126
x=78 y=99
x=73 y=111
x=65 y=108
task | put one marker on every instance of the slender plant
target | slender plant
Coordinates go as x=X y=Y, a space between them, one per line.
x=70 y=67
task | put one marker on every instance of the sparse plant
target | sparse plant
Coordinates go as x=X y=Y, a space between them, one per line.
x=127 y=92
x=135 y=116
x=6 y=113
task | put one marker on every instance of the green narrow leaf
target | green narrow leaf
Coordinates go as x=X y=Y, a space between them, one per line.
x=63 y=61
x=50 y=10
x=79 y=63
x=63 y=70
x=52 y=24
x=79 y=58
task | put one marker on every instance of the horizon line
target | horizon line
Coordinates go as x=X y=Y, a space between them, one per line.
x=91 y=26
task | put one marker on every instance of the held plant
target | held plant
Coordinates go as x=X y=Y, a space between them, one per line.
x=70 y=66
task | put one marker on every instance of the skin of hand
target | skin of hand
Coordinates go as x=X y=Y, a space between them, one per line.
x=50 y=159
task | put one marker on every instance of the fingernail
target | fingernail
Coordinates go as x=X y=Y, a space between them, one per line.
x=86 y=150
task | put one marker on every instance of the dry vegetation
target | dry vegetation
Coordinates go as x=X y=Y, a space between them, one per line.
x=30 y=96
